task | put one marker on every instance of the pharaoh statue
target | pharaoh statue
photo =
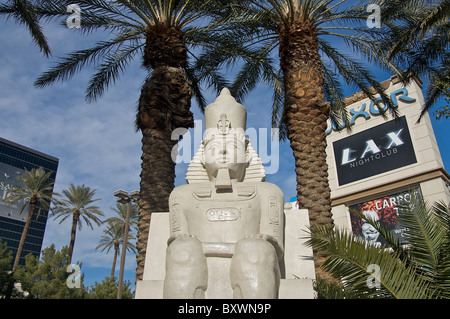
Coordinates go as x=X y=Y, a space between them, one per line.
x=225 y=211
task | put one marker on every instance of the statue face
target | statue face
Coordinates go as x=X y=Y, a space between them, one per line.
x=226 y=151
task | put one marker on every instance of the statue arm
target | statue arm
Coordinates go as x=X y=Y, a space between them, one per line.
x=177 y=218
x=272 y=217
x=178 y=226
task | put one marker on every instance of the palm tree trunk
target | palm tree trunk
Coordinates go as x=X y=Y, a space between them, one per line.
x=163 y=106
x=116 y=251
x=76 y=217
x=24 y=233
x=157 y=181
x=305 y=115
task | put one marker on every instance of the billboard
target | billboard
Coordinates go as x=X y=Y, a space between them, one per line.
x=384 y=210
x=8 y=179
x=374 y=151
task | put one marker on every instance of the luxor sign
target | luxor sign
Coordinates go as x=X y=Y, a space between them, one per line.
x=363 y=112
x=374 y=151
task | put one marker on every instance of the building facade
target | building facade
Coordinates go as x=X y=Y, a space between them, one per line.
x=384 y=160
x=14 y=159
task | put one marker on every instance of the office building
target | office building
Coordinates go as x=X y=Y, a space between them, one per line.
x=14 y=159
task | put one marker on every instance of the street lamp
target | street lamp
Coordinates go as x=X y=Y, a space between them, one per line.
x=124 y=198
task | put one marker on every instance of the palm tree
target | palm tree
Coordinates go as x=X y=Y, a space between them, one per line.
x=418 y=269
x=121 y=211
x=113 y=237
x=114 y=224
x=23 y=12
x=164 y=34
x=422 y=42
x=77 y=203
x=307 y=90
x=36 y=193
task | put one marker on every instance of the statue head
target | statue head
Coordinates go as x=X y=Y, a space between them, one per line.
x=225 y=153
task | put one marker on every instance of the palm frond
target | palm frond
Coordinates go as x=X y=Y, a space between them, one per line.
x=330 y=290
x=418 y=40
x=430 y=18
x=78 y=199
x=419 y=269
x=425 y=232
x=196 y=88
x=438 y=74
x=365 y=270
x=23 y=11
x=109 y=71
x=121 y=211
x=332 y=90
x=204 y=25
x=278 y=105
x=356 y=74
x=114 y=233
x=73 y=63
x=442 y=212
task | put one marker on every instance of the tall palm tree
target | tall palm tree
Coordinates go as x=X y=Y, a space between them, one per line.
x=308 y=35
x=118 y=222
x=77 y=203
x=418 y=269
x=23 y=12
x=113 y=238
x=36 y=193
x=121 y=211
x=164 y=34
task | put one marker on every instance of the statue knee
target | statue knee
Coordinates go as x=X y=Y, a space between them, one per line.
x=186 y=269
x=254 y=269
x=256 y=251
x=185 y=251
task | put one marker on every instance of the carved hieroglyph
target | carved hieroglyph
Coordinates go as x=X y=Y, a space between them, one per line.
x=225 y=211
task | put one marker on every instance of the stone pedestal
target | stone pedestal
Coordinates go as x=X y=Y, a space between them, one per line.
x=297 y=265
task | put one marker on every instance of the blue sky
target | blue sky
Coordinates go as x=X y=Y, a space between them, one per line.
x=96 y=143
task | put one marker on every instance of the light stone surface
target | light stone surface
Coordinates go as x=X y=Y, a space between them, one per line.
x=297 y=266
x=227 y=225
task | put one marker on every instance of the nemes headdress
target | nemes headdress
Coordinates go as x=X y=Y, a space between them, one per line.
x=225 y=115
